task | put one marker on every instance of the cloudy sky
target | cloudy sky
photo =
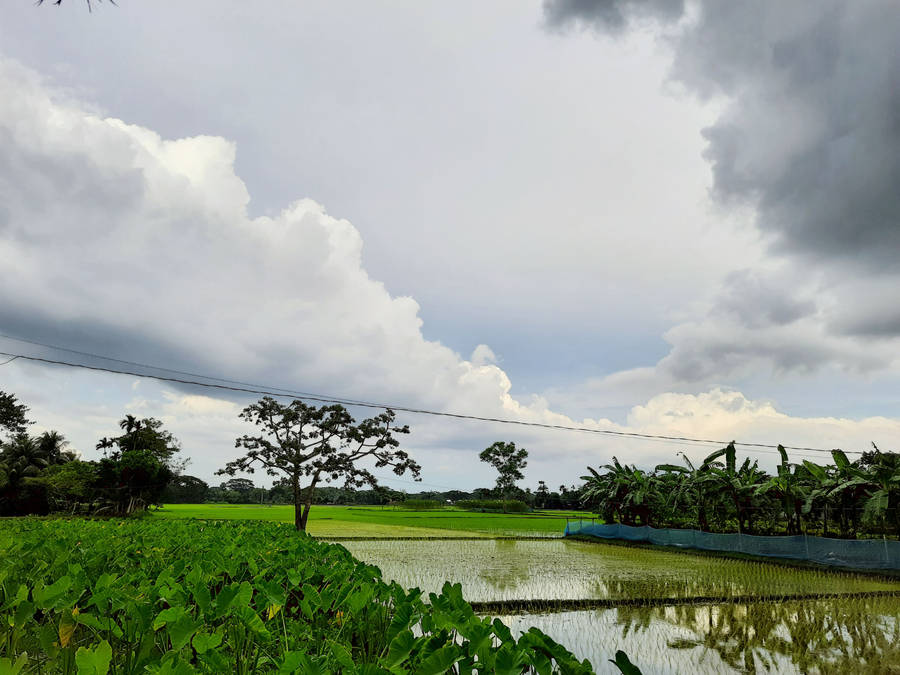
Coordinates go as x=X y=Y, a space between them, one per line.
x=648 y=217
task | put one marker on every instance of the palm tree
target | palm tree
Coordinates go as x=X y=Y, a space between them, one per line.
x=53 y=446
x=22 y=458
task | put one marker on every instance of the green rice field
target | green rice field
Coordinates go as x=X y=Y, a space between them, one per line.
x=374 y=521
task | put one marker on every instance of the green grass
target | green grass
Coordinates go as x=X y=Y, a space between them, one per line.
x=374 y=521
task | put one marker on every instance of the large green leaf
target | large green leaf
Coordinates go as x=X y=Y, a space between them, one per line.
x=203 y=642
x=623 y=663
x=93 y=660
x=10 y=667
x=399 y=648
x=439 y=661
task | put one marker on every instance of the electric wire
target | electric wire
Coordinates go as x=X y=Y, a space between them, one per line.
x=417 y=411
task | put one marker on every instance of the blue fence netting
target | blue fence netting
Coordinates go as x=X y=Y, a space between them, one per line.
x=878 y=554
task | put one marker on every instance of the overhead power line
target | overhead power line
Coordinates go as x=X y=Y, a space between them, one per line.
x=283 y=393
x=167 y=370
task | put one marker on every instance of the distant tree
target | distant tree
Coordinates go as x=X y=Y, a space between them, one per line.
x=53 y=446
x=301 y=441
x=138 y=465
x=148 y=435
x=70 y=486
x=238 y=484
x=542 y=494
x=132 y=480
x=482 y=493
x=13 y=415
x=185 y=490
x=509 y=462
x=21 y=460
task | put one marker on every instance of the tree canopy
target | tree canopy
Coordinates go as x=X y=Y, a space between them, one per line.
x=509 y=462
x=307 y=443
x=13 y=415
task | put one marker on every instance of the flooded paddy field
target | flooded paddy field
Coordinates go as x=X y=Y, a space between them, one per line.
x=779 y=634
x=846 y=635
x=494 y=570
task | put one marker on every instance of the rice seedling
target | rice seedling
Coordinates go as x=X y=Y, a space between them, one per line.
x=495 y=570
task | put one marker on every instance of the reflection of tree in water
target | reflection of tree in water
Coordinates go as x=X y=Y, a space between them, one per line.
x=505 y=570
x=633 y=586
x=827 y=636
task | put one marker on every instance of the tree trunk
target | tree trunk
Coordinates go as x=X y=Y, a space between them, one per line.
x=701 y=517
x=295 y=485
x=307 y=502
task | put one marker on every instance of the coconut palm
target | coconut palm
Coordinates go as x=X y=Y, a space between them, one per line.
x=53 y=446
x=21 y=458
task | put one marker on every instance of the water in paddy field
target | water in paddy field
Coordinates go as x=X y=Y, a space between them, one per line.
x=860 y=635
x=497 y=569
x=857 y=635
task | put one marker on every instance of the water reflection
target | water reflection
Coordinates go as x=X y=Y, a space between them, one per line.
x=505 y=569
x=859 y=635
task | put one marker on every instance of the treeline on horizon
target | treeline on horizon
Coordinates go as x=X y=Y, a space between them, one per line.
x=192 y=490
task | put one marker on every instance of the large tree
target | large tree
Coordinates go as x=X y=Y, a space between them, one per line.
x=147 y=435
x=509 y=462
x=307 y=443
x=138 y=465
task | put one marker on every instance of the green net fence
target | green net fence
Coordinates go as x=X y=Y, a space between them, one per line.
x=879 y=554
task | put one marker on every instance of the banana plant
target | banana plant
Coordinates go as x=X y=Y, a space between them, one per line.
x=738 y=484
x=691 y=490
x=789 y=487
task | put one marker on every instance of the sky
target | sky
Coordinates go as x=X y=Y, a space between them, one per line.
x=652 y=217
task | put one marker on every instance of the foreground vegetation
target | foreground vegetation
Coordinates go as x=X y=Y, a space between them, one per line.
x=846 y=498
x=159 y=596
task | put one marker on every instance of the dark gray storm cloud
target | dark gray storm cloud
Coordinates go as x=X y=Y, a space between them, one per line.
x=810 y=136
x=610 y=15
x=756 y=302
